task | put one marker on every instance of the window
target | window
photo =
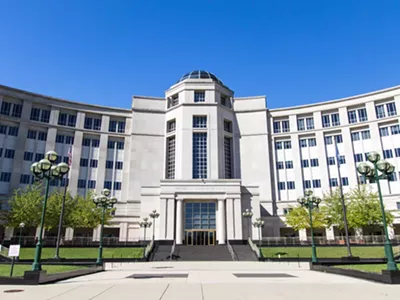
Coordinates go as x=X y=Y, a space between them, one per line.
x=277 y=127
x=95 y=143
x=3 y=129
x=333 y=182
x=355 y=136
x=280 y=165
x=65 y=119
x=387 y=153
x=5 y=108
x=397 y=152
x=290 y=185
x=13 y=131
x=345 y=181
x=285 y=126
x=16 y=111
x=81 y=183
x=352 y=116
x=199 y=122
x=365 y=134
x=32 y=134
x=225 y=101
x=281 y=186
x=330 y=120
x=312 y=142
x=228 y=157
x=278 y=145
x=84 y=162
x=28 y=156
x=326 y=121
x=307 y=184
x=199 y=96
x=120 y=145
x=5 y=176
x=380 y=111
x=69 y=140
x=94 y=163
x=199 y=155
x=107 y=185
x=86 y=142
x=304 y=163
x=170 y=158
x=366 y=156
x=13 y=108
x=91 y=184
x=109 y=164
x=117 y=185
x=362 y=115
x=92 y=123
x=391 y=109
x=39 y=156
x=171 y=125
x=25 y=179
x=395 y=129
x=60 y=139
x=338 y=138
x=9 y=153
x=173 y=101
x=342 y=159
x=328 y=140
x=227 y=126
x=331 y=161
x=42 y=136
x=358 y=157
x=301 y=125
x=383 y=131
x=398 y=205
x=310 y=123
x=303 y=143
x=316 y=183
x=392 y=177
x=314 y=162
x=289 y=164
x=116 y=126
x=40 y=115
x=119 y=165
x=287 y=145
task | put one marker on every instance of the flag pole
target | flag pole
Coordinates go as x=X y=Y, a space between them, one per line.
x=346 y=227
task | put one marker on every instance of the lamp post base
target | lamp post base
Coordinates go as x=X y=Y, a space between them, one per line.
x=391 y=263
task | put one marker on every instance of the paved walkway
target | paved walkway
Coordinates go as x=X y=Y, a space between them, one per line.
x=207 y=281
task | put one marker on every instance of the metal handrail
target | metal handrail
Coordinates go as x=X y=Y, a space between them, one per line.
x=231 y=251
x=255 y=249
x=172 y=251
x=148 y=250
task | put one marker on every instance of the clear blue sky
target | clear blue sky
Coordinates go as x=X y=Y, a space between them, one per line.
x=295 y=52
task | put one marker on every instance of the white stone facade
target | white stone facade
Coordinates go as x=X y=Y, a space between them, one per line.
x=200 y=144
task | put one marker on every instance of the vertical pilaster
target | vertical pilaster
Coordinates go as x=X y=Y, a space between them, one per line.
x=237 y=214
x=123 y=232
x=163 y=219
x=170 y=221
x=221 y=235
x=179 y=221
x=303 y=235
x=230 y=219
x=69 y=234
x=330 y=234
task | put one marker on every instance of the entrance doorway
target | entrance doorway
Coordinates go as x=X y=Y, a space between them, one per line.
x=200 y=223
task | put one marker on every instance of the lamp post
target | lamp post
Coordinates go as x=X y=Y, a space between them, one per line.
x=154 y=215
x=310 y=202
x=21 y=227
x=145 y=224
x=386 y=169
x=46 y=169
x=259 y=224
x=104 y=202
x=248 y=214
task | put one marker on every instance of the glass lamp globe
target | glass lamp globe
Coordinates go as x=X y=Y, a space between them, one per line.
x=373 y=156
x=64 y=168
x=35 y=168
x=390 y=169
x=96 y=200
x=44 y=165
x=113 y=200
x=106 y=192
x=382 y=165
x=300 y=200
x=308 y=193
x=22 y=225
x=51 y=156
x=55 y=171
x=363 y=168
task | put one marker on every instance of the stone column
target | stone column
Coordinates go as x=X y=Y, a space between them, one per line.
x=163 y=219
x=8 y=233
x=303 y=235
x=391 y=232
x=330 y=233
x=179 y=221
x=231 y=228
x=123 y=232
x=69 y=234
x=221 y=235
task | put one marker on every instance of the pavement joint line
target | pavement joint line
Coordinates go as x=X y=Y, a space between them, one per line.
x=162 y=295
x=102 y=292
x=54 y=297
x=201 y=289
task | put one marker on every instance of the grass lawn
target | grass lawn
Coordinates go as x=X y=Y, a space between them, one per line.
x=366 y=268
x=28 y=253
x=324 y=252
x=20 y=269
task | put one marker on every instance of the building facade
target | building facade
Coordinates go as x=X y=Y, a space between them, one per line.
x=200 y=156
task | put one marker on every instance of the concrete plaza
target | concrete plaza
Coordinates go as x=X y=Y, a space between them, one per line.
x=208 y=281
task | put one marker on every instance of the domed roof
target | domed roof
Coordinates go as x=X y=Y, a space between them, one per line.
x=200 y=74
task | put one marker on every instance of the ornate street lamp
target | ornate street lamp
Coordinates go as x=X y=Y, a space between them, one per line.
x=259 y=223
x=21 y=227
x=248 y=214
x=386 y=169
x=145 y=224
x=310 y=202
x=104 y=202
x=154 y=215
x=46 y=169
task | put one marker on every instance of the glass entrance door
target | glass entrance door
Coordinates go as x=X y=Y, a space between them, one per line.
x=200 y=237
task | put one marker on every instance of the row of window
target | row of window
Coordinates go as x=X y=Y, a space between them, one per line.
x=199 y=96
x=116 y=126
x=333 y=182
x=93 y=163
x=95 y=143
x=91 y=184
x=394 y=130
x=64 y=139
x=40 y=135
x=65 y=119
x=92 y=123
x=307 y=184
x=364 y=135
x=198 y=122
x=8 y=153
x=40 y=115
x=10 y=130
x=11 y=109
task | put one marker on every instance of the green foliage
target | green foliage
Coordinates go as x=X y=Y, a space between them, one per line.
x=53 y=209
x=333 y=208
x=298 y=218
x=26 y=206
x=364 y=208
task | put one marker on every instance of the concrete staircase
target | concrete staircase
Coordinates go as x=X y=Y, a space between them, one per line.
x=161 y=252
x=202 y=253
x=244 y=253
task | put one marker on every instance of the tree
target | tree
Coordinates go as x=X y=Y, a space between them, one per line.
x=364 y=208
x=26 y=206
x=298 y=218
x=53 y=210
x=334 y=209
